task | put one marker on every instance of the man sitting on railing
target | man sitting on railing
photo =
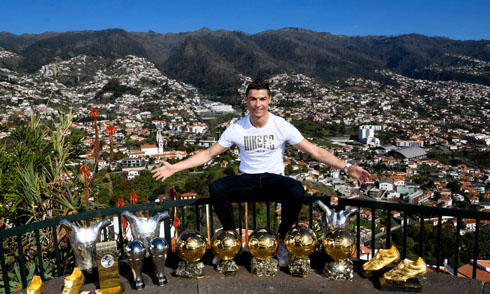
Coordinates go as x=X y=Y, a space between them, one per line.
x=261 y=138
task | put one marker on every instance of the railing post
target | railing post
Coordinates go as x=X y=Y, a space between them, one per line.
x=475 y=250
x=405 y=234
x=198 y=218
x=268 y=210
x=211 y=219
x=254 y=218
x=439 y=237
x=388 y=229
x=373 y=231
x=6 y=283
x=121 y=241
x=22 y=261
x=358 y=232
x=240 y=218
x=421 y=247
x=182 y=212
x=310 y=206
x=456 y=254
x=40 y=255
x=57 y=252
x=168 y=237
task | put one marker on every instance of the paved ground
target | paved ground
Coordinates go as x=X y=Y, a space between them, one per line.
x=244 y=282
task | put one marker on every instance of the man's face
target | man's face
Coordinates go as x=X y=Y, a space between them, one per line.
x=258 y=103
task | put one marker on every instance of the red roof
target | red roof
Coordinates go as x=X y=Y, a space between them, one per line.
x=467 y=271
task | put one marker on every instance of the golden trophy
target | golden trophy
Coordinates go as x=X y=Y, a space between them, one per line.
x=36 y=286
x=300 y=242
x=108 y=268
x=191 y=247
x=382 y=259
x=339 y=243
x=402 y=277
x=74 y=282
x=226 y=246
x=263 y=244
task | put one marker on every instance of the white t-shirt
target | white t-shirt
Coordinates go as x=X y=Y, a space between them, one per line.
x=261 y=149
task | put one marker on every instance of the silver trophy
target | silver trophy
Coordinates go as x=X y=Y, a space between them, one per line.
x=146 y=232
x=136 y=258
x=158 y=249
x=82 y=241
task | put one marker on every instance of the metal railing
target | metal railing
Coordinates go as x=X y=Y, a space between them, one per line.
x=50 y=227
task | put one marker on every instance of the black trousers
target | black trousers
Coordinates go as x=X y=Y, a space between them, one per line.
x=257 y=187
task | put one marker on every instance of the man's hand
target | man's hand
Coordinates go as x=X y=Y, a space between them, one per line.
x=163 y=172
x=358 y=173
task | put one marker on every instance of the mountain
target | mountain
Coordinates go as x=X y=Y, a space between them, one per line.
x=215 y=60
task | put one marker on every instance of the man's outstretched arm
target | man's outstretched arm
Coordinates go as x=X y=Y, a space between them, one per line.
x=326 y=157
x=167 y=169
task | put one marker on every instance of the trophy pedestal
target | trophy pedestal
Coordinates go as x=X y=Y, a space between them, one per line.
x=411 y=285
x=263 y=267
x=161 y=281
x=114 y=290
x=339 y=270
x=227 y=267
x=299 y=266
x=190 y=270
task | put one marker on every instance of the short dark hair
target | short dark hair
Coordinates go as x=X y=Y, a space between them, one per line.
x=258 y=85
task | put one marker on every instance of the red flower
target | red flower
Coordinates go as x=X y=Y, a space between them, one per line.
x=133 y=198
x=110 y=130
x=176 y=222
x=94 y=113
x=120 y=202
x=84 y=172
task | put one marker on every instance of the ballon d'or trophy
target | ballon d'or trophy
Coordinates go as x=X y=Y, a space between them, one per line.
x=300 y=242
x=226 y=246
x=339 y=243
x=263 y=244
x=108 y=267
x=191 y=246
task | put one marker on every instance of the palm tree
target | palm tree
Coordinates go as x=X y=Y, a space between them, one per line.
x=94 y=113
x=110 y=130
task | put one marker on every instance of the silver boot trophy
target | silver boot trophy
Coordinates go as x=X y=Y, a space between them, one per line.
x=338 y=241
x=146 y=231
x=82 y=241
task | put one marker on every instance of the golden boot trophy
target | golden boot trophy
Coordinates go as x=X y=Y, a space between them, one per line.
x=191 y=247
x=300 y=242
x=402 y=277
x=382 y=258
x=226 y=246
x=263 y=244
x=36 y=286
x=74 y=282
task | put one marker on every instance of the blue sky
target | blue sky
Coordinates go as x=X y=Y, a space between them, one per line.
x=460 y=20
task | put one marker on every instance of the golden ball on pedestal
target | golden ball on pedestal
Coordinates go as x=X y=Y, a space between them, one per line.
x=191 y=246
x=226 y=244
x=300 y=241
x=262 y=243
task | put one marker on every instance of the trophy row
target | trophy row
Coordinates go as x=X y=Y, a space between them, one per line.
x=300 y=242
